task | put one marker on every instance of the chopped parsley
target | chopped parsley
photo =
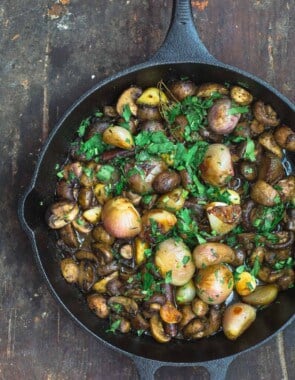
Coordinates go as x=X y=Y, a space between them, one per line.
x=83 y=125
x=237 y=110
x=105 y=173
x=284 y=264
x=114 y=326
x=168 y=277
x=92 y=147
x=250 y=150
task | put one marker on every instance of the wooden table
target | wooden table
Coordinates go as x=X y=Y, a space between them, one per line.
x=50 y=53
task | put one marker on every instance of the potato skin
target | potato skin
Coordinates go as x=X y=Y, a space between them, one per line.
x=219 y=119
x=214 y=283
x=217 y=168
x=236 y=319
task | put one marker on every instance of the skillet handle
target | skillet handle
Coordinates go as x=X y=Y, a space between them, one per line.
x=22 y=206
x=217 y=368
x=182 y=42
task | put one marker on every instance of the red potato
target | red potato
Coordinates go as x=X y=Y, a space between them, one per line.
x=219 y=118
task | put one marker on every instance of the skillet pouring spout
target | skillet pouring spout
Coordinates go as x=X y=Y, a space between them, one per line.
x=182 y=54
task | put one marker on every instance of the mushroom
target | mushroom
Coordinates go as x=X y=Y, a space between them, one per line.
x=270 y=168
x=241 y=96
x=61 y=213
x=157 y=330
x=70 y=270
x=166 y=181
x=182 y=89
x=264 y=194
x=98 y=304
x=285 y=137
x=265 y=114
x=205 y=90
x=268 y=141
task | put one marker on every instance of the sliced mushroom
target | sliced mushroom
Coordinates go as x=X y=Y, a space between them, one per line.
x=270 y=168
x=265 y=114
x=128 y=304
x=285 y=137
x=87 y=276
x=69 y=236
x=101 y=285
x=157 y=330
x=268 y=141
x=101 y=235
x=61 y=213
x=286 y=189
x=194 y=329
x=264 y=194
x=103 y=252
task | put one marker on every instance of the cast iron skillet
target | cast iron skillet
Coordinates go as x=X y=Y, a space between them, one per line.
x=182 y=54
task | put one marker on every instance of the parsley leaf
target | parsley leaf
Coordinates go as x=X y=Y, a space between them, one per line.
x=92 y=147
x=83 y=125
x=250 y=150
x=126 y=113
x=236 y=110
x=114 y=326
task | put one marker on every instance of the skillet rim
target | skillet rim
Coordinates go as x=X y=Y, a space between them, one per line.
x=25 y=225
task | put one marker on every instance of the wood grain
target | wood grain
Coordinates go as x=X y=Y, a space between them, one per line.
x=46 y=63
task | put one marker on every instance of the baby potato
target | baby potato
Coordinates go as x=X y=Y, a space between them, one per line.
x=172 y=201
x=263 y=295
x=119 y=137
x=214 y=283
x=237 y=318
x=185 y=293
x=220 y=120
x=223 y=217
x=241 y=96
x=217 y=167
x=152 y=97
x=174 y=257
x=245 y=283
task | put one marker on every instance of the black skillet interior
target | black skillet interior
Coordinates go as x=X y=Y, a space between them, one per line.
x=40 y=195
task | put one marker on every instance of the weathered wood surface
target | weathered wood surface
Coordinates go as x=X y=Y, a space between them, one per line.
x=46 y=63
